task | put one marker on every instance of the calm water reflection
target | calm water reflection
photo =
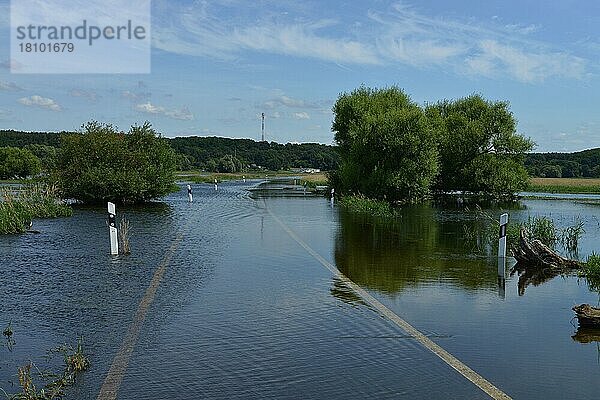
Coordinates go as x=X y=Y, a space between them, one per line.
x=425 y=245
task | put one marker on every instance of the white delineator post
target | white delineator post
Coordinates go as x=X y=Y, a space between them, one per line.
x=112 y=226
x=190 y=196
x=332 y=195
x=502 y=240
x=216 y=187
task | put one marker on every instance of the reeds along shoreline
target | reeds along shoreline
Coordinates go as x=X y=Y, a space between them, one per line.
x=19 y=208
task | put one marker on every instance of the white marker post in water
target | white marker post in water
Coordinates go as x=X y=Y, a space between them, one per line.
x=216 y=187
x=502 y=240
x=502 y=256
x=112 y=226
x=190 y=195
x=244 y=178
x=332 y=196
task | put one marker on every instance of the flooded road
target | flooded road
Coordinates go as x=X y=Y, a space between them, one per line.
x=244 y=311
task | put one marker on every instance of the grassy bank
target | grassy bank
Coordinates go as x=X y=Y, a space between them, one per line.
x=18 y=209
x=564 y=185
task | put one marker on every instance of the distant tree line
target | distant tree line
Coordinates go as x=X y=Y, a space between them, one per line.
x=10 y=138
x=212 y=154
x=233 y=155
x=583 y=164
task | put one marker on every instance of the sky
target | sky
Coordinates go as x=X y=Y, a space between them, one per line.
x=217 y=65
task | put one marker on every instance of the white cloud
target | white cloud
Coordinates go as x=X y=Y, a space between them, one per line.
x=492 y=50
x=301 y=115
x=149 y=108
x=196 y=30
x=11 y=64
x=39 y=101
x=135 y=97
x=89 y=95
x=398 y=35
x=182 y=114
x=523 y=29
x=304 y=41
x=9 y=86
x=290 y=102
x=494 y=59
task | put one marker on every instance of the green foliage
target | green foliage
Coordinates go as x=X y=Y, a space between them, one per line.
x=591 y=270
x=206 y=152
x=386 y=146
x=569 y=237
x=584 y=164
x=18 y=209
x=184 y=162
x=542 y=229
x=479 y=149
x=102 y=164
x=19 y=163
x=48 y=155
x=362 y=205
x=51 y=385
x=229 y=164
x=10 y=138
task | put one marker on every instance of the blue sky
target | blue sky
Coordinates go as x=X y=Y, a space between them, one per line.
x=217 y=65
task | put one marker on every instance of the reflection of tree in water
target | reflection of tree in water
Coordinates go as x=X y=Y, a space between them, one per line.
x=534 y=276
x=425 y=244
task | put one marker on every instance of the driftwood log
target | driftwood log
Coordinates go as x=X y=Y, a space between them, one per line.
x=538 y=263
x=587 y=315
x=533 y=253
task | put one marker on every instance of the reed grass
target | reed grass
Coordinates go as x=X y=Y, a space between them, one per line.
x=484 y=234
x=19 y=208
x=591 y=271
x=51 y=385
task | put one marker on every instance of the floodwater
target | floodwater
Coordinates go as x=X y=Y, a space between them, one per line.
x=243 y=311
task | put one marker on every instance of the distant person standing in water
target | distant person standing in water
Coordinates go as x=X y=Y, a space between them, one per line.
x=190 y=196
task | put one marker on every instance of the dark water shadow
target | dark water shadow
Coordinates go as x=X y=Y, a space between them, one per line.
x=586 y=335
x=534 y=276
x=424 y=244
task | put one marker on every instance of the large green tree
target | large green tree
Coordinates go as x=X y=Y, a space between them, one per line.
x=18 y=163
x=386 y=146
x=102 y=164
x=47 y=155
x=480 y=150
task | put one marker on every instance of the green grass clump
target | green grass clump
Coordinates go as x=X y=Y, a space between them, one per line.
x=542 y=229
x=591 y=271
x=363 y=205
x=51 y=385
x=18 y=209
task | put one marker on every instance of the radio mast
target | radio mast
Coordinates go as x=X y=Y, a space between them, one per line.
x=263 y=126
